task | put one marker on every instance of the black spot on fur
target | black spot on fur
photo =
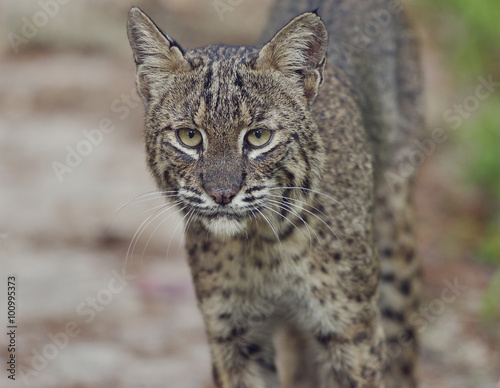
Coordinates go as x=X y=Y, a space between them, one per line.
x=290 y=176
x=194 y=200
x=249 y=350
x=360 y=338
x=208 y=99
x=238 y=81
x=410 y=256
x=208 y=79
x=326 y=339
x=206 y=246
x=268 y=365
x=387 y=277
x=216 y=377
x=254 y=188
x=225 y=316
x=238 y=331
x=394 y=315
x=408 y=335
x=406 y=369
x=386 y=252
x=405 y=287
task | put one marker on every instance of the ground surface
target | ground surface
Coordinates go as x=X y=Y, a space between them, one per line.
x=83 y=322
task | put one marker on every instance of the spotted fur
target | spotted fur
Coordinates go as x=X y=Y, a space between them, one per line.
x=288 y=234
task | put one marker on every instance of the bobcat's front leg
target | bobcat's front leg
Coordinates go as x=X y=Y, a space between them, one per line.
x=351 y=356
x=239 y=317
x=343 y=320
x=241 y=347
x=352 y=361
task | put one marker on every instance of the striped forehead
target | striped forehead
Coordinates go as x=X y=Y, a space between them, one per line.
x=222 y=103
x=230 y=55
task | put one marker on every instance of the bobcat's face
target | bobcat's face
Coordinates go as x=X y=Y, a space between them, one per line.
x=229 y=134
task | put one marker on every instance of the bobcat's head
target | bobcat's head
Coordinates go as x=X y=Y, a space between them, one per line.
x=229 y=131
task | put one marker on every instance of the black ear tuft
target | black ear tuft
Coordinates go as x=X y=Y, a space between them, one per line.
x=173 y=43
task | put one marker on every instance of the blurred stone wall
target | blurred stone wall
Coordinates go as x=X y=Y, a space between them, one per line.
x=100 y=25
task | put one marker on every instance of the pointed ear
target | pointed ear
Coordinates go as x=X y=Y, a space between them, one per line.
x=298 y=50
x=156 y=55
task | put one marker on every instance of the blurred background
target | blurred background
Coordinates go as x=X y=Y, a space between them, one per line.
x=100 y=304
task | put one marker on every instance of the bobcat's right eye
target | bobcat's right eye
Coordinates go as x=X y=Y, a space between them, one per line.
x=189 y=137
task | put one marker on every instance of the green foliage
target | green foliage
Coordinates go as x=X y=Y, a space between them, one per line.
x=470 y=32
x=476 y=45
x=481 y=137
x=491 y=306
x=489 y=249
x=468 y=35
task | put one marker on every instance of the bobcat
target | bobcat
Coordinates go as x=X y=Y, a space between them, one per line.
x=284 y=167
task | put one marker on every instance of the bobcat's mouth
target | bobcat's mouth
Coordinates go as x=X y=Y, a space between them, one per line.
x=224 y=226
x=228 y=219
x=223 y=221
x=262 y=202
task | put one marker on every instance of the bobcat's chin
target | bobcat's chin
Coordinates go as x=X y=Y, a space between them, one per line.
x=224 y=226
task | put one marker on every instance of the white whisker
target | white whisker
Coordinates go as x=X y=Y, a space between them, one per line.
x=157 y=227
x=155 y=195
x=287 y=207
x=302 y=202
x=270 y=225
x=157 y=207
x=186 y=226
x=308 y=211
x=314 y=215
x=287 y=219
x=306 y=189
x=177 y=227
x=143 y=227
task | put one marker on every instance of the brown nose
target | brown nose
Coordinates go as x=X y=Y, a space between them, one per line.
x=222 y=195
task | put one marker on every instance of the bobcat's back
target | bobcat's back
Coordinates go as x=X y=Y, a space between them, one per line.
x=372 y=43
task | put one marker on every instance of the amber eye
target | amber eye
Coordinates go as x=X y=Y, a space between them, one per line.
x=189 y=137
x=258 y=137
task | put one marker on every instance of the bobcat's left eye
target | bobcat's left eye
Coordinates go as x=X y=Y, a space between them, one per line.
x=189 y=137
x=258 y=137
